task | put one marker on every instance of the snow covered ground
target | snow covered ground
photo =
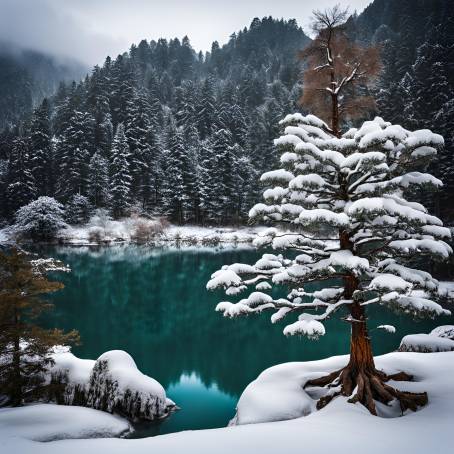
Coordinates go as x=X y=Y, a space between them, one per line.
x=103 y=230
x=124 y=231
x=340 y=427
x=48 y=422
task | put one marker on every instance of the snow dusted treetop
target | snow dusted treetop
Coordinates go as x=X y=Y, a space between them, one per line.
x=342 y=210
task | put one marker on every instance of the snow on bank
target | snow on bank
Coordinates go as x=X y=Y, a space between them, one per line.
x=112 y=383
x=149 y=231
x=340 y=427
x=48 y=422
x=440 y=339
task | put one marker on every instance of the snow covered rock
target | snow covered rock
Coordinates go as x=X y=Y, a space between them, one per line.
x=446 y=331
x=276 y=395
x=440 y=339
x=425 y=343
x=117 y=386
x=112 y=383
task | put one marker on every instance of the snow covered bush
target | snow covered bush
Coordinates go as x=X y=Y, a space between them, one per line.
x=425 y=343
x=352 y=229
x=40 y=219
x=144 y=230
x=96 y=234
x=116 y=385
x=112 y=383
x=440 y=339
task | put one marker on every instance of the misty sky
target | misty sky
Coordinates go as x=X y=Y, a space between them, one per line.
x=89 y=30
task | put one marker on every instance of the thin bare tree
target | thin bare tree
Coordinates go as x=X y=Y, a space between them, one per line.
x=339 y=71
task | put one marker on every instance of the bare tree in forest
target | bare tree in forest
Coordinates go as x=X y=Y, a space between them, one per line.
x=338 y=72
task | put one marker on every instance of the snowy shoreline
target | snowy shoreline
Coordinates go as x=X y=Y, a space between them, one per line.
x=114 y=233
x=266 y=399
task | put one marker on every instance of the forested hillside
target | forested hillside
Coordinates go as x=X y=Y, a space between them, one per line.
x=416 y=87
x=26 y=77
x=165 y=129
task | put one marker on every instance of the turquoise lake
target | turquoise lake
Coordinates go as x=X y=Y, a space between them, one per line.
x=153 y=304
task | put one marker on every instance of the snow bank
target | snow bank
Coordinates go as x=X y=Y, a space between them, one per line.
x=425 y=343
x=101 y=229
x=440 y=339
x=108 y=231
x=340 y=427
x=48 y=422
x=112 y=383
x=116 y=385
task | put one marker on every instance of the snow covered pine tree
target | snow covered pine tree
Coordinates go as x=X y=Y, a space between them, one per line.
x=349 y=226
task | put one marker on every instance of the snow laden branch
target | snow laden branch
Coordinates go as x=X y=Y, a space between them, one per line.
x=341 y=208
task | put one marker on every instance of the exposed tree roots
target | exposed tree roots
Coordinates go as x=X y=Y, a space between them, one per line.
x=370 y=385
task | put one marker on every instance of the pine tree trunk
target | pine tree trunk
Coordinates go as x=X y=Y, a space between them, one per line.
x=361 y=356
x=16 y=394
x=335 y=115
x=360 y=373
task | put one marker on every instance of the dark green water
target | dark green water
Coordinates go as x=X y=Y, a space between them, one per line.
x=153 y=304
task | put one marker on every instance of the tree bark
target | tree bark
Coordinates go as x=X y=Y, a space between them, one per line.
x=16 y=394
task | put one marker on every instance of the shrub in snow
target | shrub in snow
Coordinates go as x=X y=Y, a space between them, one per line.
x=144 y=230
x=112 y=383
x=425 y=343
x=78 y=210
x=352 y=230
x=96 y=234
x=40 y=219
x=100 y=218
x=116 y=385
x=440 y=339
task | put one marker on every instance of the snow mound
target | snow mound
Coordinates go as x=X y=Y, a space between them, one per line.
x=425 y=343
x=48 y=422
x=278 y=393
x=116 y=385
x=440 y=339
x=446 y=331
x=112 y=383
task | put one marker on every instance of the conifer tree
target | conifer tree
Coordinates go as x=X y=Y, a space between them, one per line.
x=25 y=347
x=21 y=186
x=173 y=189
x=208 y=186
x=138 y=130
x=353 y=230
x=120 y=176
x=40 y=220
x=343 y=200
x=205 y=109
x=74 y=151
x=78 y=210
x=98 y=180
x=41 y=144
